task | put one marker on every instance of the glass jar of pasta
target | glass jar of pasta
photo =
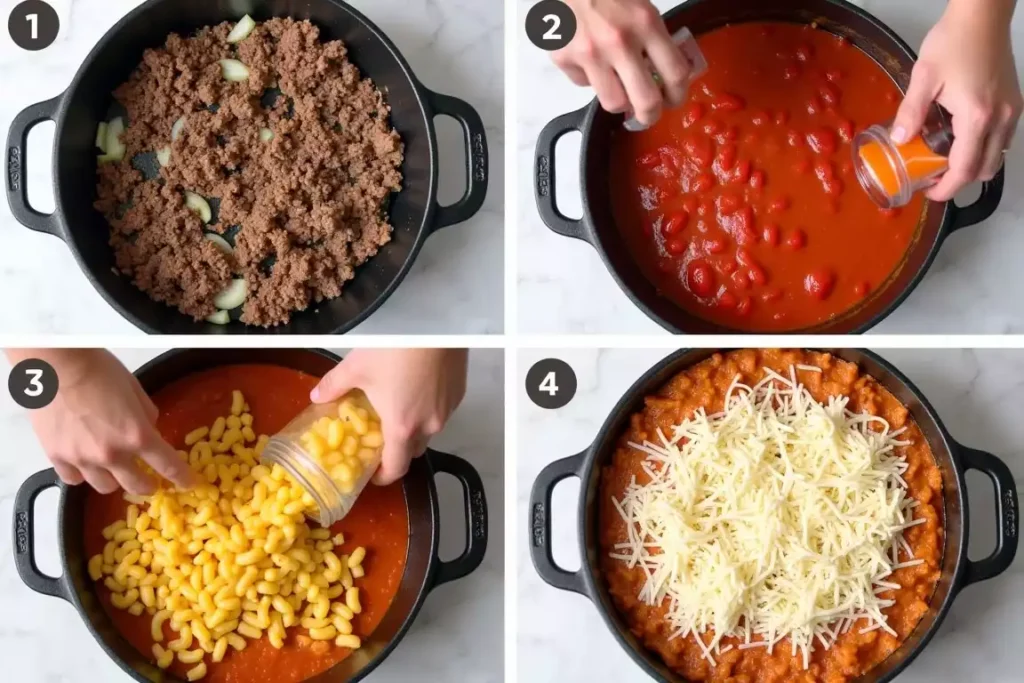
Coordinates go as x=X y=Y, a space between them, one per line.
x=331 y=450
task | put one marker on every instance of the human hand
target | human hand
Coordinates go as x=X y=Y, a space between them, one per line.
x=966 y=65
x=608 y=53
x=101 y=423
x=414 y=391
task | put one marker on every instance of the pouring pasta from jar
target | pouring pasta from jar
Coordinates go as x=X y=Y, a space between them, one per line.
x=331 y=450
x=891 y=173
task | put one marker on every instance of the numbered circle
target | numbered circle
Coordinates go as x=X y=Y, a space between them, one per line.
x=551 y=383
x=550 y=24
x=33 y=25
x=33 y=383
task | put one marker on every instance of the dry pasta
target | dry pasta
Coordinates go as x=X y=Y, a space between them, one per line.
x=234 y=558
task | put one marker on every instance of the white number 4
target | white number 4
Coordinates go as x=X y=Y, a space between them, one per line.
x=548 y=384
x=34 y=20
x=35 y=387
x=555 y=22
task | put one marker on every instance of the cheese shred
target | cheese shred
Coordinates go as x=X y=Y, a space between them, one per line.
x=778 y=518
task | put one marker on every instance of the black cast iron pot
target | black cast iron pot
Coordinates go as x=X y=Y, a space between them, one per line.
x=597 y=226
x=424 y=570
x=953 y=459
x=414 y=211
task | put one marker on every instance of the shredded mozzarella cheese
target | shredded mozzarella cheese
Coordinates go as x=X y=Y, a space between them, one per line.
x=779 y=517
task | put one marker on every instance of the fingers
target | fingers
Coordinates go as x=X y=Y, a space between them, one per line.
x=964 y=157
x=98 y=478
x=152 y=412
x=68 y=473
x=398 y=453
x=997 y=143
x=923 y=89
x=133 y=480
x=334 y=384
x=671 y=66
x=166 y=462
x=645 y=98
x=607 y=87
x=577 y=75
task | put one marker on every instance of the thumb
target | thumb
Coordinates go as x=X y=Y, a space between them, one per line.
x=922 y=91
x=334 y=384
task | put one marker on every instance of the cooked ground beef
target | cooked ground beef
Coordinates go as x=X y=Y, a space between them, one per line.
x=310 y=203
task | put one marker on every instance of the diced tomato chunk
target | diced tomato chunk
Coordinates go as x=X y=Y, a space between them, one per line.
x=796 y=239
x=757 y=179
x=744 y=305
x=727 y=155
x=674 y=223
x=702 y=183
x=822 y=140
x=820 y=283
x=829 y=94
x=700 y=278
x=771 y=234
x=728 y=102
x=757 y=274
x=675 y=245
x=692 y=113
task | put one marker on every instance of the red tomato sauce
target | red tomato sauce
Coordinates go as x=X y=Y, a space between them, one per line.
x=379 y=521
x=742 y=205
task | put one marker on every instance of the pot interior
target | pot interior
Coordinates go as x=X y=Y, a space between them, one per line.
x=420 y=507
x=888 y=377
x=88 y=102
x=701 y=16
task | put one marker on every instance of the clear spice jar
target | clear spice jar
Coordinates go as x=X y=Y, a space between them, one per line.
x=891 y=173
x=331 y=450
x=687 y=44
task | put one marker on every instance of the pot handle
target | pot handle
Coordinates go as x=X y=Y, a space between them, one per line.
x=476 y=516
x=1007 y=519
x=540 y=524
x=544 y=175
x=17 y=167
x=24 y=535
x=476 y=159
x=982 y=207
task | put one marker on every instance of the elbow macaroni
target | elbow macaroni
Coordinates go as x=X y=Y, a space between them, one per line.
x=235 y=558
x=346 y=445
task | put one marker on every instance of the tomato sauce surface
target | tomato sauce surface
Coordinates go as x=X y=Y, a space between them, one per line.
x=742 y=205
x=379 y=521
x=704 y=385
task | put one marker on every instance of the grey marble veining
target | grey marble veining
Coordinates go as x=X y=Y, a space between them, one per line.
x=456 y=285
x=458 y=634
x=974 y=286
x=561 y=637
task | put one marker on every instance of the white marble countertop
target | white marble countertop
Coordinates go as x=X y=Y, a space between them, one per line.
x=456 y=284
x=458 y=635
x=560 y=633
x=974 y=286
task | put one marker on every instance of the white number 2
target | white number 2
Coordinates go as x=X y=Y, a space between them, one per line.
x=548 y=384
x=35 y=387
x=551 y=34
x=34 y=20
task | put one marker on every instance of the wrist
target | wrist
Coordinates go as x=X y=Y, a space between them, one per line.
x=990 y=15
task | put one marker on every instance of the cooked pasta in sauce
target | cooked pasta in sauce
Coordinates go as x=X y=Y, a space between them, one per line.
x=379 y=521
x=704 y=385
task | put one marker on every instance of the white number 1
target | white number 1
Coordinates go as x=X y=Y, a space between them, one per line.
x=34 y=20
x=35 y=387
x=548 y=384
x=555 y=23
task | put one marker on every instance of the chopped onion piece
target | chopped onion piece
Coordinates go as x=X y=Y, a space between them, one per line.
x=242 y=29
x=115 y=149
x=219 y=242
x=164 y=156
x=218 y=318
x=233 y=295
x=266 y=135
x=199 y=205
x=101 y=136
x=234 y=70
x=176 y=129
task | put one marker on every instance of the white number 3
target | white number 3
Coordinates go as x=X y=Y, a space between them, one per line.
x=35 y=387
x=551 y=34
x=548 y=384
